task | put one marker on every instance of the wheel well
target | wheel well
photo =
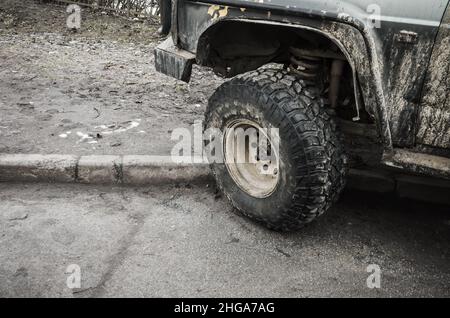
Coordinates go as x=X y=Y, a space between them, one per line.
x=233 y=47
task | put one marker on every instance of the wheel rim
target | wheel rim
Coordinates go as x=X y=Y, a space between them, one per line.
x=259 y=177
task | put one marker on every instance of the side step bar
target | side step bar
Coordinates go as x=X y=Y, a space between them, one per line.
x=419 y=163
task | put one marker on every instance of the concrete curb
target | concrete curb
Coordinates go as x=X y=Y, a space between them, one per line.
x=156 y=170
x=100 y=169
x=48 y=168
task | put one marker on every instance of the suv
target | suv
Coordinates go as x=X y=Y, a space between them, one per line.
x=351 y=83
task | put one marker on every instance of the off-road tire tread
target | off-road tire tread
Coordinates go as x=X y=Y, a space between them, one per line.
x=297 y=103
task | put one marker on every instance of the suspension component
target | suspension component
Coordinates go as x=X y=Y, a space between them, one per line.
x=337 y=69
x=308 y=63
x=307 y=67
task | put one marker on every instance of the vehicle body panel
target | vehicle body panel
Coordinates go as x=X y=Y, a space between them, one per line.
x=398 y=51
x=401 y=63
x=433 y=128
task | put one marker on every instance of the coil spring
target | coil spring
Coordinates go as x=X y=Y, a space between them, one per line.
x=307 y=67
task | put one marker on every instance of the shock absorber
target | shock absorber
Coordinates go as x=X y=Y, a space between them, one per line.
x=307 y=67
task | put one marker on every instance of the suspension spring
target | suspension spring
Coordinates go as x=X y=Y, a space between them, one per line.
x=307 y=67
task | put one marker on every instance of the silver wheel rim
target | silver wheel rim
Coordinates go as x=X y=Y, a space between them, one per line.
x=258 y=179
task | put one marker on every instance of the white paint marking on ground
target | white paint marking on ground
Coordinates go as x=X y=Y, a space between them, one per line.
x=120 y=128
x=83 y=136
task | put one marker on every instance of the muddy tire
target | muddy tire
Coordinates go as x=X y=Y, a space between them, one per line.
x=311 y=159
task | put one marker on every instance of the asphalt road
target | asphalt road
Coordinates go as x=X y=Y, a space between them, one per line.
x=187 y=241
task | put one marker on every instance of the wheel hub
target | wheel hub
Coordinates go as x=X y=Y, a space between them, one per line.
x=247 y=158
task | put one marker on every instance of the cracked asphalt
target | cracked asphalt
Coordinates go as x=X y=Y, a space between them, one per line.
x=186 y=241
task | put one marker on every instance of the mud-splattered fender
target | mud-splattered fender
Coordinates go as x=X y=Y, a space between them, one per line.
x=389 y=60
x=195 y=19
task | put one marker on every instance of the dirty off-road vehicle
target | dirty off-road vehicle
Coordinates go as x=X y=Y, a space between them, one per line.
x=360 y=82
